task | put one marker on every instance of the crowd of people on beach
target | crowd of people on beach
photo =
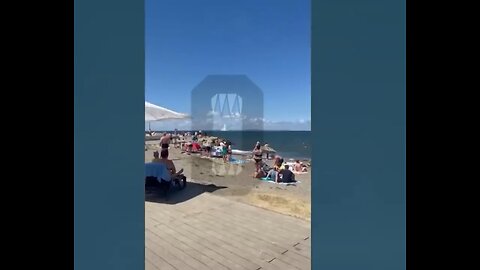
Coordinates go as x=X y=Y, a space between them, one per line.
x=281 y=171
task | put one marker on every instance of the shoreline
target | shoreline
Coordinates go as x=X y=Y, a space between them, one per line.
x=287 y=154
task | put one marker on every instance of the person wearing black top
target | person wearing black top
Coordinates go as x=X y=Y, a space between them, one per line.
x=286 y=176
x=257 y=156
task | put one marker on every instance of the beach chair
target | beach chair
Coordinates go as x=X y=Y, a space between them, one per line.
x=158 y=176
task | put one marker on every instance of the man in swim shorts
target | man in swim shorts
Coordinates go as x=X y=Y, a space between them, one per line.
x=165 y=140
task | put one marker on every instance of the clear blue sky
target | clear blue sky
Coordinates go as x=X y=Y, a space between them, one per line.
x=267 y=40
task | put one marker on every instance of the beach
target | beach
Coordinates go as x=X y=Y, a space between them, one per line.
x=235 y=182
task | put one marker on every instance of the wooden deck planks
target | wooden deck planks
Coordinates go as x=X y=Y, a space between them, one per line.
x=210 y=232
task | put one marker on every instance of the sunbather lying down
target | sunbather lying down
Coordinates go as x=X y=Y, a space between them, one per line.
x=192 y=148
x=298 y=167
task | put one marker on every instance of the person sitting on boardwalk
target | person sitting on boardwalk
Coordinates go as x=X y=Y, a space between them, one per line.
x=168 y=162
x=170 y=166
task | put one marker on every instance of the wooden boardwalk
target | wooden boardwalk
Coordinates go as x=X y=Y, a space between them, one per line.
x=211 y=232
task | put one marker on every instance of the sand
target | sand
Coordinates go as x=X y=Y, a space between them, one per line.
x=235 y=182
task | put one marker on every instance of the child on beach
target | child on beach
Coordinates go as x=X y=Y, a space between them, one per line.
x=259 y=173
x=156 y=157
x=256 y=145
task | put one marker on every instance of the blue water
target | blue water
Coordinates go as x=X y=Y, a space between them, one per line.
x=288 y=144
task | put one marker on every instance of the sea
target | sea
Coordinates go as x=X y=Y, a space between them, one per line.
x=288 y=144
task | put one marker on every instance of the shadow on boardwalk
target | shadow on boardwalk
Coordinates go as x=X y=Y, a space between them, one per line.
x=192 y=190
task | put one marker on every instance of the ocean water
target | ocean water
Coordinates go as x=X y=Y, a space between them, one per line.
x=288 y=144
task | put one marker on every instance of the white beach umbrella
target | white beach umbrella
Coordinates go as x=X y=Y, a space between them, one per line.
x=156 y=113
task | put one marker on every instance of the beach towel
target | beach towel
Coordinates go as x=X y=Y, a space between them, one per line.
x=216 y=151
x=158 y=170
x=269 y=180
x=236 y=161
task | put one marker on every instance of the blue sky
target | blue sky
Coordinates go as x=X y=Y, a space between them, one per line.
x=267 y=40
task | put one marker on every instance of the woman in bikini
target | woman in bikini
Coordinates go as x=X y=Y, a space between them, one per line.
x=257 y=156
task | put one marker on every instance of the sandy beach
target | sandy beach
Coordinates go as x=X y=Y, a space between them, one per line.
x=235 y=182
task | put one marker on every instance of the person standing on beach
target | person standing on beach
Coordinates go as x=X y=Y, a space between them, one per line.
x=229 y=150
x=174 y=138
x=210 y=147
x=165 y=140
x=265 y=148
x=256 y=145
x=257 y=156
x=224 y=151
